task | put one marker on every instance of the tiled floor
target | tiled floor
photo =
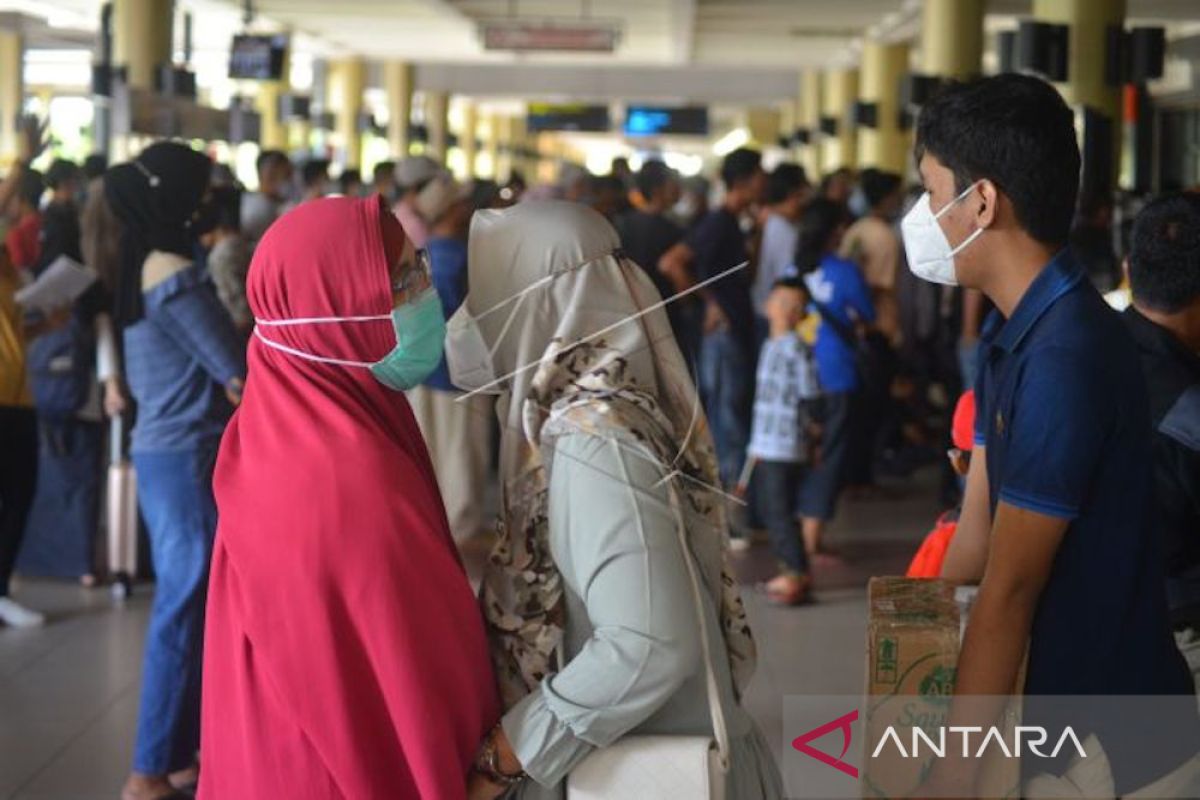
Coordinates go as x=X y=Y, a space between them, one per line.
x=69 y=692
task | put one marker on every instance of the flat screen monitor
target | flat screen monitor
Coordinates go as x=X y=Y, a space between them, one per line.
x=567 y=117
x=656 y=120
x=258 y=58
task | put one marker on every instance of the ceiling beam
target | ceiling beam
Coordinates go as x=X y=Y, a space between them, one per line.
x=685 y=83
x=683 y=23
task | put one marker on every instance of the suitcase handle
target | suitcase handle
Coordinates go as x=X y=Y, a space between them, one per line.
x=116 y=439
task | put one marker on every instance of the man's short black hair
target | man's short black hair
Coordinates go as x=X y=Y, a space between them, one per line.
x=653 y=175
x=62 y=171
x=314 y=171
x=1017 y=132
x=95 y=165
x=268 y=159
x=227 y=204
x=878 y=185
x=348 y=179
x=784 y=181
x=1164 y=253
x=740 y=165
x=30 y=187
x=790 y=282
x=383 y=171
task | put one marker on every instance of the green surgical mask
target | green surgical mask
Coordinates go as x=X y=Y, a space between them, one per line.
x=420 y=332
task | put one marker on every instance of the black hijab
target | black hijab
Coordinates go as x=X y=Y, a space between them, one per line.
x=155 y=197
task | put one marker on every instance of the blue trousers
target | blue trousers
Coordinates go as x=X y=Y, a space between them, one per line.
x=727 y=389
x=176 y=499
x=776 y=484
x=823 y=484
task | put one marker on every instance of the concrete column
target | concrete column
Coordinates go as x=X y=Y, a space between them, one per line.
x=810 y=118
x=274 y=130
x=763 y=124
x=142 y=38
x=467 y=138
x=1088 y=21
x=952 y=38
x=839 y=93
x=886 y=145
x=491 y=145
x=12 y=92
x=398 y=85
x=502 y=136
x=347 y=79
x=437 y=122
x=520 y=138
x=787 y=126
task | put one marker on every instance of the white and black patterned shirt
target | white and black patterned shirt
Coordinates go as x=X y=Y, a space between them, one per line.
x=787 y=378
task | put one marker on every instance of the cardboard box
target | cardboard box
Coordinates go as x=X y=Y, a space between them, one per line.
x=913 y=641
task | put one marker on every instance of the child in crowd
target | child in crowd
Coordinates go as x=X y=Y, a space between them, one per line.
x=781 y=435
x=927 y=563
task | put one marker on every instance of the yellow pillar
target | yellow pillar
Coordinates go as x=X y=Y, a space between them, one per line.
x=467 y=138
x=839 y=93
x=1089 y=21
x=398 y=85
x=885 y=146
x=787 y=126
x=347 y=79
x=142 y=38
x=437 y=122
x=274 y=135
x=526 y=165
x=952 y=38
x=810 y=119
x=491 y=146
x=12 y=92
x=502 y=136
x=763 y=125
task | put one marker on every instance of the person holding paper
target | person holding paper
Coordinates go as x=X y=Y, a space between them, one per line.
x=185 y=364
x=18 y=421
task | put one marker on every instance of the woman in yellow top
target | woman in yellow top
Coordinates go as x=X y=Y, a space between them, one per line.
x=18 y=422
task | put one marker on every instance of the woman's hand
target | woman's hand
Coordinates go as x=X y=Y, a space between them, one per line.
x=114 y=398
x=480 y=788
x=33 y=138
x=495 y=762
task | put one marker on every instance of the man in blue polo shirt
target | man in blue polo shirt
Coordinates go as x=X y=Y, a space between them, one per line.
x=1059 y=490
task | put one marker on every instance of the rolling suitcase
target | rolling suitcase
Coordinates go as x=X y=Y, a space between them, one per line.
x=122 y=513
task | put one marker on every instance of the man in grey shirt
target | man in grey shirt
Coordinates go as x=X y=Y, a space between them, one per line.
x=787 y=194
x=260 y=209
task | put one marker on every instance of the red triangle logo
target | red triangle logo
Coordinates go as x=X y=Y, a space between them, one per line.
x=842 y=723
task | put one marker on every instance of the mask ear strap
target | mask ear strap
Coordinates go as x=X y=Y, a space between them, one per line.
x=507 y=324
x=978 y=232
x=291 y=351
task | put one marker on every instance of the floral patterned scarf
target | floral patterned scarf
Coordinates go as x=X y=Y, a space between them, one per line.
x=588 y=388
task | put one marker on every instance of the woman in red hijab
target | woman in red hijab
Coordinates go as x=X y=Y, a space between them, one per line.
x=344 y=650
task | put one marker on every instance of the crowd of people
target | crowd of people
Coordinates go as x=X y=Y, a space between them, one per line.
x=667 y=376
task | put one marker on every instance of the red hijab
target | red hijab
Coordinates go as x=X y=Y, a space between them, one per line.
x=336 y=585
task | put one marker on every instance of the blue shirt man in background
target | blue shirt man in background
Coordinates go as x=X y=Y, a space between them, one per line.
x=457 y=433
x=1058 y=502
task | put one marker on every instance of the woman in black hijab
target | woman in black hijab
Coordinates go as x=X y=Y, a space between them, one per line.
x=184 y=364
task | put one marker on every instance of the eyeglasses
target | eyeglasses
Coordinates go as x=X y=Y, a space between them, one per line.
x=415 y=278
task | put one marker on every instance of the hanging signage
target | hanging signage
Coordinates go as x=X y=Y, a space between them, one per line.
x=567 y=117
x=656 y=120
x=548 y=37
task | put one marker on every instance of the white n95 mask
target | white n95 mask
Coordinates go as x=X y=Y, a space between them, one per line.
x=470 y=361
x=930 y=256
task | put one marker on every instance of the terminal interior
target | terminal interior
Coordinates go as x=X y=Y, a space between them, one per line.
x=551 y=93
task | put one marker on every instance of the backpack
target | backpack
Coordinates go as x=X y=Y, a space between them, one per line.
x=60 y=369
